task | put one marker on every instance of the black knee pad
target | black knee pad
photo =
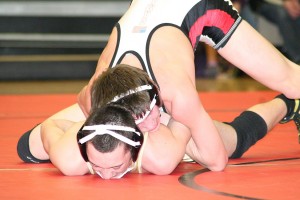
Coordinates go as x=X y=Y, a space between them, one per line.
x=24 y=151
x=249 y=127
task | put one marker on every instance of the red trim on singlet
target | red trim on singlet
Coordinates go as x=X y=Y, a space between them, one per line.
x=224 y=22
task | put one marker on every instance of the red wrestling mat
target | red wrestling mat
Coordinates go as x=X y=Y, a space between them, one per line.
x=269 y=170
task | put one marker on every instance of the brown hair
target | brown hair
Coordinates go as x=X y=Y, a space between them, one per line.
x=111 y=115
x=118 y=80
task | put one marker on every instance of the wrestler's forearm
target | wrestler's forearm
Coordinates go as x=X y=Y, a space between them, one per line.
x=59 y=140
x=209 y=149
x=165 y=148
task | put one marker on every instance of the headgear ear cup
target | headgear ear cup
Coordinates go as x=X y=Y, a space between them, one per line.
x=82 y=147
x=135 y=150
x=155 y=91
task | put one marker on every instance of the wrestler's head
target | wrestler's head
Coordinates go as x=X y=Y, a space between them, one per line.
x=110 y=140
x=132 y=88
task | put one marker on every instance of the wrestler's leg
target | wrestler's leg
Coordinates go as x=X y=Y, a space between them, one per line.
x=251 y=126
x=261 y=60
x=72 y=113
x=245 y=130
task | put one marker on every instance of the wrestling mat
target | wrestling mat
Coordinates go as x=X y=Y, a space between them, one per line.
x=269 y=170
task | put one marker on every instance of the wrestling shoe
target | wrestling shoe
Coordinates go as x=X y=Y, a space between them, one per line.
x=293 y=114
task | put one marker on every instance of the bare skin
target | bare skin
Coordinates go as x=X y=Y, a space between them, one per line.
x=59 y=144
x=109 y=165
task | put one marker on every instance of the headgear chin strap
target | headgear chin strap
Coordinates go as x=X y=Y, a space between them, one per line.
x=118 y=176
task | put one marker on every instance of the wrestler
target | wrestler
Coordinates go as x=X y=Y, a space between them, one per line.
x=160 y=37
x=164 y=48
x=110 y=154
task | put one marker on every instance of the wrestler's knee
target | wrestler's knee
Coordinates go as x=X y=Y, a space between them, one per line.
x=24 y=150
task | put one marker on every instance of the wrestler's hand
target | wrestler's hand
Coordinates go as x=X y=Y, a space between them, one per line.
x=84 y=100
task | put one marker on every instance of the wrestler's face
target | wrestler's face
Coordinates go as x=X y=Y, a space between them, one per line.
x=151 y=122
x=109 y=165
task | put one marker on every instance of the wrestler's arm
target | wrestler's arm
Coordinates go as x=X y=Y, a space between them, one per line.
x=165 y=148
x=188 y=110
x=84 y=96
x=253 y=54
x=59 y=140
x=72 y=113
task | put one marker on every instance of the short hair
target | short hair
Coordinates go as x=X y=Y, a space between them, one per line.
x=118 y=80
x=111 y=115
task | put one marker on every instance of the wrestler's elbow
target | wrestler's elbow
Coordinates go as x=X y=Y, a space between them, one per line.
x=69 y=170
x=66 y=172
x=166 y=170
x=213 y=161
x=218 y=164
x=164 y=167
x=67 y=166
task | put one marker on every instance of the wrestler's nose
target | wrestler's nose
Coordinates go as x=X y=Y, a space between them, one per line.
x=107 y=173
